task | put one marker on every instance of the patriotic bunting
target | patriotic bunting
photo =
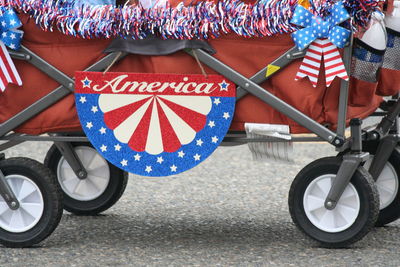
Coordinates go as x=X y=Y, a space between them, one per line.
x=200 y=20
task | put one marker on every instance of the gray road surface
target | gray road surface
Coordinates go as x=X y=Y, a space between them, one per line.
x=228 y=211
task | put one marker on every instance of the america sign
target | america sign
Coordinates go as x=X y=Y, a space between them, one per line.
x=154 y=124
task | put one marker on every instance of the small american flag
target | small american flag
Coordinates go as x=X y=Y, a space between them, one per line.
x=10 y=37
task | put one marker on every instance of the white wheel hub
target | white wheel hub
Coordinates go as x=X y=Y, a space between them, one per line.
x=341 y=217
x=96 y=182
x=31 y=205
x=387 y=183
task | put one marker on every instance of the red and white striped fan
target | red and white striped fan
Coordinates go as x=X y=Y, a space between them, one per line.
x=152 y=123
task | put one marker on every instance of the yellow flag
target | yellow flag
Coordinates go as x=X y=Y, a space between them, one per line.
x=305 y=3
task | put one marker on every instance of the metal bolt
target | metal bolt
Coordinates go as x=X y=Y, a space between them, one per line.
x=28 y=57
x=330 y=137
x=288 y=56
x=329 y=204
x=246 y=85
x=337 y=141
x=13 y=204
x=81 y=174
x=71 y=85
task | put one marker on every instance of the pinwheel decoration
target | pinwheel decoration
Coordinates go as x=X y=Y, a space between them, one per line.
x=323 y=37
x=11 y=37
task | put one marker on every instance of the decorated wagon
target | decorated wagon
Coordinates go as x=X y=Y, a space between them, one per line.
x=156 y=87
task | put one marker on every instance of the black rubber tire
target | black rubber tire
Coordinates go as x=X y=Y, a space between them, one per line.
x=52 y=198
x=392 y=211
x=113 y=192
x=367 y=192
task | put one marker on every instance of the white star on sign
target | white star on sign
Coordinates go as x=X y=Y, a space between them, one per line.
x=124 y=162
x=199 y=142
x=12 y=22
x=94 y=109
x=160 y=160
x=217 y=101
x=137 y=157
x=214 y=139
x=211 y=124
x=148 y=169
x=89 y=125
x=12 y=36
x=4 y=34
x=82 y=99
x=181 y=154
x=12 y=46
x=102 y=130
x=103 y=148
x=117 y=147
x=3 y=23
x=226 y=115
x=173 y=168
x=196 y=157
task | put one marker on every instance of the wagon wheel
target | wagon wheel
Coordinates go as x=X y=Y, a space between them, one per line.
x=353 y=217
x=40 y=203
x=102 y=188
x=387 y=185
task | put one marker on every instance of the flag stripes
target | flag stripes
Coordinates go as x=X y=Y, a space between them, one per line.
x=8 y=73
x=311 y=64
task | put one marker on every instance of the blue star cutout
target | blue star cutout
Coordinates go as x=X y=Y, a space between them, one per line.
x=86 y=82
x=223 y=86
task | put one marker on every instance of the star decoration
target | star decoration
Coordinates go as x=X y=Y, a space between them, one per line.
x=181 y=154
x=217 y=101
x=223 y=86
x=214 y=139
x=160 y=160
x=103 y=148
x=94 y=109
x=211 y=124
x=102 y=130
x=86 y=82
x=117 y=147
x=199 y=142
x=82 y=99
x=173 y=168
x=13 y=22
x=124 y=162
x=4 y=34
x=89 y=125
x=137 y=157
x=12 y=36
x=196 y=157
x=226 y=115
x=148 y=169
x=3 y=23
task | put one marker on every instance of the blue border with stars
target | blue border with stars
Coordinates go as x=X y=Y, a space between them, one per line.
x=163 y=164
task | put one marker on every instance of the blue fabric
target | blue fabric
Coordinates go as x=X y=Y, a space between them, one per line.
x=9 y=35
x=316 y=27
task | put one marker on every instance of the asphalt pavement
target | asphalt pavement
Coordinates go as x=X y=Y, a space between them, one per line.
x=228 y=211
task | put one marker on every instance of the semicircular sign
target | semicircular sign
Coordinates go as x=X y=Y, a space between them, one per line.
x=154 y=124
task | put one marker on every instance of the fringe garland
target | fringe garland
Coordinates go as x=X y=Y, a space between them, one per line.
x=200 y=21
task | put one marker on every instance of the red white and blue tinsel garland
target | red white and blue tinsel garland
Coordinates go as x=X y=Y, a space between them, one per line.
x=202 y=20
